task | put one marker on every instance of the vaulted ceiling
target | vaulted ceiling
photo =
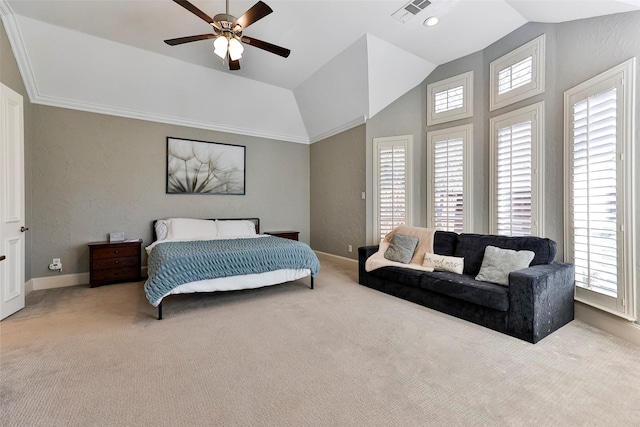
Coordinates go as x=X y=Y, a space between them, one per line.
x=349 y=60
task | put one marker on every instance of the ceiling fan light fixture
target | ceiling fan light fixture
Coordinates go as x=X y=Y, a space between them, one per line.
x=235 y=49
x=220 y=45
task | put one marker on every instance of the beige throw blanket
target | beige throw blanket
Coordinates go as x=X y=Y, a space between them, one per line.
x=425 y=245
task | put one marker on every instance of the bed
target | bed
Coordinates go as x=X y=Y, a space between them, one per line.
x=191 y=255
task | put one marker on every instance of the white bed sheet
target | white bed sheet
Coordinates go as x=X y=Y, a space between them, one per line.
x=247 y=281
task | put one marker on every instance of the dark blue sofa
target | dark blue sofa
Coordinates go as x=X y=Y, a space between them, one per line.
x=538 y=300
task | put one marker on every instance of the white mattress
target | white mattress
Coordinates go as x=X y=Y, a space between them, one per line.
x=247 y=281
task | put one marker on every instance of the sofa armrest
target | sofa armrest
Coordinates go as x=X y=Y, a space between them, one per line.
x=364 y=252
x=540 y=300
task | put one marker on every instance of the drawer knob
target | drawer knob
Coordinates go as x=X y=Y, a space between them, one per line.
x=116 y=273
x=117 y=262
x=117 y=251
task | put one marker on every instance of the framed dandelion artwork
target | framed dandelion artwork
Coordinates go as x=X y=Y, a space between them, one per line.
x=200 y=167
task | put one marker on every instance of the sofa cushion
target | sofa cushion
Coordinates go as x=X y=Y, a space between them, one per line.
x=471 y=247
x=444 y=242
x=464 y=287
x=404 y=276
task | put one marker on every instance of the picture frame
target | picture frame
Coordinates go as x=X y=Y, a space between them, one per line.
x=202 y=167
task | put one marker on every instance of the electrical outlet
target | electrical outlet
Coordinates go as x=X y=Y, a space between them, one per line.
x=56 y=265
x=350 y=248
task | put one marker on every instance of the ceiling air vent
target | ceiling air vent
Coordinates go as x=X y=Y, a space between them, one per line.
x=410 y=9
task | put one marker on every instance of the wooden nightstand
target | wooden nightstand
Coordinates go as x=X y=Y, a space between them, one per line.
x=114 y=262
x=293 y=235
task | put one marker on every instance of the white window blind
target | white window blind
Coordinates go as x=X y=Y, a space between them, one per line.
x=593 y=196
x=449 y=179
x=448 y=186
x=517 y=172
x=600 y=186
x=518 y=74
x=514 y=180
x=392 y=184
x=449 y=99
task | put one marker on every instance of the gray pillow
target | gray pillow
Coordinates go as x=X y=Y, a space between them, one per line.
x=498 y=263
x=401 y=248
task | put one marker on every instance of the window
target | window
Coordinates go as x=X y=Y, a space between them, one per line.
x=517 y=75
x=517 y=139
x=449 y=198
x=450 y=99
x=392 y=183
x=598 y=189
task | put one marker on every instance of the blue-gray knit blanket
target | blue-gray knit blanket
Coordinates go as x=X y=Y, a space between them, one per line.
x=172 y=264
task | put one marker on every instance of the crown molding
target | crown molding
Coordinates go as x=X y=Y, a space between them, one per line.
x=339 y=129
x=17 y=45
x=159 y=118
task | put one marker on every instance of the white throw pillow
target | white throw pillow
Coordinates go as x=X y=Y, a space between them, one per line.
x=444 y=263
x=498 y=263
x=162 y=229
x=236 y=228
x=191 y=229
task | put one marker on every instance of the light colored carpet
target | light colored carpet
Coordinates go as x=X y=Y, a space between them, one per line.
x=341 y=354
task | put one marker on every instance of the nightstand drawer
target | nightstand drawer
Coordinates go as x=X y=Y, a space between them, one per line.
x=117 y=252
x=120 y=273
x=115 y=262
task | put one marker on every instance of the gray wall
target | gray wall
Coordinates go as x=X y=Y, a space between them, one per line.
x=10 y=76
x=94 y=173
x=337 y=183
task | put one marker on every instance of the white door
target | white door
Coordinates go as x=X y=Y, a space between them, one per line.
x=11 y=202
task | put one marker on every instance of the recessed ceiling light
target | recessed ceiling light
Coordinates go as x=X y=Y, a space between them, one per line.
x=431 y=21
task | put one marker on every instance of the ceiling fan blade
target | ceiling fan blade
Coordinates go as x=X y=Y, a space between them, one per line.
x=200 y=14
x=257 y=12
x=234 y=65
x=266 y=46
x=189 y=39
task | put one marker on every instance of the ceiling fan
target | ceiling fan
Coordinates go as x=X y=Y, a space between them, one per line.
x=227 y=32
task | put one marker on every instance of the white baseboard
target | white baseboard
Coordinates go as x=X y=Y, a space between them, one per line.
x=52 y=282
x=625 y=329
x=337 y=258
x=61 y=281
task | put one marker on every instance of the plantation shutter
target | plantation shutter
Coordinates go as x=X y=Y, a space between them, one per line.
x=514 y=179
x=392 y=186
x=449 y=99
x=516 y=75
x=594 y=201
x=448 y=201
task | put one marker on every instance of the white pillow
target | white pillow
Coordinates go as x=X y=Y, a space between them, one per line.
x=191 y=229
x=236 y=228
x=498 y=263
x=444 y=263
